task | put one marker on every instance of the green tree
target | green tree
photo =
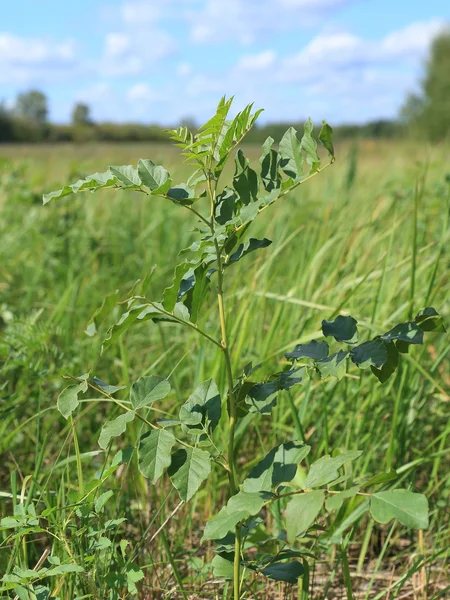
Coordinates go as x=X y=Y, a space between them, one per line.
x=32 y=106
x=81 y=115
x=429 y=111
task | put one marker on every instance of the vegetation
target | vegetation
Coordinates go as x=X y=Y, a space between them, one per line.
x=429 y=111
x=340 y=249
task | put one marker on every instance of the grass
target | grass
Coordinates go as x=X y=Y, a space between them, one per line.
x=369 y=237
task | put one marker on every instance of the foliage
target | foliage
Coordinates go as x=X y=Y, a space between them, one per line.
x=194 y=451
x=428 y=111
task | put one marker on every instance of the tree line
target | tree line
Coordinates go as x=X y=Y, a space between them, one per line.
x=425 y=114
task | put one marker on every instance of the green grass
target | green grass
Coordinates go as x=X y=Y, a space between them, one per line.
x=369 y=237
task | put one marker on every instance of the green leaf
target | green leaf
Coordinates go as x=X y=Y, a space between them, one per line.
x=222 y=567
x=92 y=183
x=197 y=292
x=247 y=247
x=326 y=138
x=389 y=366
x=405 y=332
x=269 y=166
x=335 y=501
x=155 y=177
x=106 y=387
x=370 y=354
x=277 y=467
x=245 y=180
x=309 y=146
x=315 y=350
x=127 y=176
x=429 y=319
x=68 y=399
x=155 y=449
x=114 y=428
x=189 y=469
x=202 y=410
x=342 y=328
x=325 y=470
x=109 y=302
x=181 y=194
x=262 y=397
x=226 y=206
x=335 y=365
x=238 y=508
x=147 y=390
x=301 y=512
x=291 y=156
x=102 y=500
x=288 y=572
x=408 y=508
x=134 y=575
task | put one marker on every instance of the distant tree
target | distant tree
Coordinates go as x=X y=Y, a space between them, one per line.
x=429 y=111
x=6 y=124
x=81 y=115
x=32 y=106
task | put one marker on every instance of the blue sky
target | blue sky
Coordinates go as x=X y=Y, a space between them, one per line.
x=164 y=60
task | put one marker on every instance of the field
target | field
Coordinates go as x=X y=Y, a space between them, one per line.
x=350 y=241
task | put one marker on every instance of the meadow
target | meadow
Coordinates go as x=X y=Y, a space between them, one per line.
x=369 y=237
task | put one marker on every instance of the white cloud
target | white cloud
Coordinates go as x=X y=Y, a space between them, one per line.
x=142 y=93
x=257 y=62
x=33 y=60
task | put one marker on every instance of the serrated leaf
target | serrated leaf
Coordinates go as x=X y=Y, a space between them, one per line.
x=315 y=350
x=127 y=176
x=288 y=572
x=247 y=247
x=154 y=176
x=147 y=390
x=202 y=410
x=190 y=467
x=408 y=508
x=114 y=428
x=134 y=574
x=342 y=328
x=238 y=508
x=278 y=467
x=334 y=366
x=68 y=399
x=301 y=512
x=155 y=450
x=102 y=500
x=325 y=470
x=291 y=156
x=370 y=354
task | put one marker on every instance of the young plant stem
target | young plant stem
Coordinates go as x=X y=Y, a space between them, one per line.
x=232 y=413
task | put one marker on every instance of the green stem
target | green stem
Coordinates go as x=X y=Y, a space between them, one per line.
x=232 y=412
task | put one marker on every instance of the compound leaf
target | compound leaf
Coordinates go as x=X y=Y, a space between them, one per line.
x=288 y=572
x=247 y=247
x=291 y=161
x=155 y=177
x=202 y=410
x=127 y=176
x=68 y=399
x=429 y=319
x=326 y=138
x=370 y=354
x=409 y=332
x=335 y=365
x=315 y=350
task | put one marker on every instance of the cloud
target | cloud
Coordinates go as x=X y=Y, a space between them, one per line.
x=33 y=60
x=257 y=62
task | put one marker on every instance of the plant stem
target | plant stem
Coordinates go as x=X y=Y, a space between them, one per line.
x=232 y=413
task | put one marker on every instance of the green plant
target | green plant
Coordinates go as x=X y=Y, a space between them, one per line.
x=205 y=430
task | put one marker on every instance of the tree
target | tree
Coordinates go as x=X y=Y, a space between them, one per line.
x=81 y=115
x=6 y=125
x=429 y=111
x=32 y=106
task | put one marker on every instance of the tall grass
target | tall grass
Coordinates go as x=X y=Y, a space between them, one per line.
x=370 y=236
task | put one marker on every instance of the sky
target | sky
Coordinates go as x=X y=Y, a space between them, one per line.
x=161 y=61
